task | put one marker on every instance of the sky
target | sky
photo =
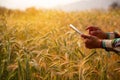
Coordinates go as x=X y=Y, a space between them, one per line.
x=23 y=4
x=67 y=5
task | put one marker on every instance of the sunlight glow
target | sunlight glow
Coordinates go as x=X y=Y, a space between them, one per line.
x=23 y=4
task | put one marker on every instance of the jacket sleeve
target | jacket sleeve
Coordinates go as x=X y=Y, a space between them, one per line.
x=112 y=45
x=112 y=35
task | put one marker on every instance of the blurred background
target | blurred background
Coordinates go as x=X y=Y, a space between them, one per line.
x=36 y=42
x=66 y=5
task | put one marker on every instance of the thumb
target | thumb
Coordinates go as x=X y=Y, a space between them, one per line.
x=85 y=36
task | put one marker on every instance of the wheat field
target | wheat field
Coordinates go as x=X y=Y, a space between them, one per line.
x=39 y=45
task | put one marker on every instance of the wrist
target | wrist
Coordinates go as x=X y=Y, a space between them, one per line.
x=100 y=44
x=105 y=36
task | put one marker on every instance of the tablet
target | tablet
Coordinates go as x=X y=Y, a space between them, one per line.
x=75 y=29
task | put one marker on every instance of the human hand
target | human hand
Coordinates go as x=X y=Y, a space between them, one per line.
x=95 y=31
x=92 y=42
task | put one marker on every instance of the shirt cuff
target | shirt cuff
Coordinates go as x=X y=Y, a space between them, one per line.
x=110 y=35
x=107 y=44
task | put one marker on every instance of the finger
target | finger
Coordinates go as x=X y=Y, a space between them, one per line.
x=85 y=36
x=91 y=28
x=86 y=41
x=94 y=33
